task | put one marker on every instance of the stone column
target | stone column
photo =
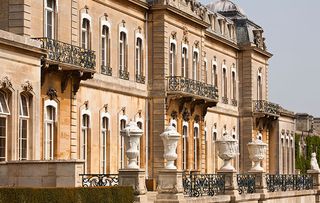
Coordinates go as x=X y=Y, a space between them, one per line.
x=316 y=178
x=170 y=188
x=132 y=175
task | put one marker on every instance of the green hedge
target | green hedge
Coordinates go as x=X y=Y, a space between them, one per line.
x=67 y=195
x=313 y=145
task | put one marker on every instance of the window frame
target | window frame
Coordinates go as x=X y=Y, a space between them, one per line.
x=23 y=117
x=105 y=45
x=184 y=60
x=54 y=105
x=105 y=133
x=195 y=64
x=139 y=54
x=53 y=13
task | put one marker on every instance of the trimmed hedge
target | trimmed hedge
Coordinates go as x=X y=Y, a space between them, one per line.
x=67 y=195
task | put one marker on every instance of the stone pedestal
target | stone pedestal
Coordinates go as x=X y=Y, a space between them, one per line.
x=170 y=188
x=316 y=178
x=261 y=182
x=231 y=185
x=136 y=179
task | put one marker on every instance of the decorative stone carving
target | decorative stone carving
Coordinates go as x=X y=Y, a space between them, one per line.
x=174 y=115
x=5 y=82
x=186 y=115
x=258 y=39
x=170 y=138
x=52 y=93
x=257 y=152
x=132 y=134
x=227 y=149
x=27 y=86
x=314 y=163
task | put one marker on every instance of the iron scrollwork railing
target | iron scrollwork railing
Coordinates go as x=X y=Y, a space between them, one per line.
x=124 y=74
x=196 y=185
x=280 y=182
x=67 y=53
x=140 y=78
x=246 y=183
x=178 y=83
x=263 y=106
x=106 y=70
x=98 y=180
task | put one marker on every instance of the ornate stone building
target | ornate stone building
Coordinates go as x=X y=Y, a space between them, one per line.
x=96 y=65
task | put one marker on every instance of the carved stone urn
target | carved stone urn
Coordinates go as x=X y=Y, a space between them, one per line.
x=132 y=134
x=227 y=149
x=170 y=138
x=257 y=152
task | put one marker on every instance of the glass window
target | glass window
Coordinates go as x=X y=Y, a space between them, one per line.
x=225 y=85
x=49 y=19
x=259 y=88
x=139 y=57
x=234 y=86
x=195 y=65
x=85 y=136
x=214 y=76
x=184 y=62
x=23 y=128
x=3 y=133
x=49 y=133
x=195 y=147
x=184 y=147
x=122 y=126
x=172 y=59
x=85 y=36
x=123 y=51
x=104 y=136
x=105 y=46
x=4 y=109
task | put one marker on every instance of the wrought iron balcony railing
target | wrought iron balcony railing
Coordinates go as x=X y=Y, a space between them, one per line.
x=106 y=70
x=234 y=102
x=123 y=74
x=262 y=106
x=98 y=180
x=61 y=52
x=288 y=182
x=246 y=183
x=140 y=79
x=182 y=84
x=196 y=185
x=225 y=100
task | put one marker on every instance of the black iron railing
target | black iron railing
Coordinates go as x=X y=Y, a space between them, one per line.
x=234 y=102
x=182 y=84
x=246 y=183
x=140 y=79
x=61 y=52
x=262 y=106
x=196 y=185
x=124 y=74
x=225 y=100
x=98 y=180
x=288 y=182
x=106 y=70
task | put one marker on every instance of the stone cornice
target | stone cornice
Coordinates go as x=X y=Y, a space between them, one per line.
x=250 y=47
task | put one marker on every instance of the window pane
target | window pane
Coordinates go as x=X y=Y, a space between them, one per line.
x=3 y=104
x=24 y=106
x=2 y=139
x=50 y=4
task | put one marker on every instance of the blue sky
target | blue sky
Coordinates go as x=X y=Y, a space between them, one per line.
x=292 y=31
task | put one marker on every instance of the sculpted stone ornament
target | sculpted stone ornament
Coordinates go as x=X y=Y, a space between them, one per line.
x=258 y=39
x=170 y=138
x=27 y=86
x=132 y=134
x=5 y=82
x=227 y=150
x=257 y=152
x=314 y=163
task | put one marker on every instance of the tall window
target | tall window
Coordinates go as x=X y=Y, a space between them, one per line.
x=105 y=47
x=184 y=62
x=104 y=137
x=123 y=51
x=122 y=126
x=85 y=30
x=172 y=59
x=139 y=124
x=259 y=88
x=234 y=86
x=50 y=131
x=224 y=82
x=195 y=147
x=23 y=128
x=205 y=72
x=49 y=18
x=214 y=76
x=4 y=112
x=139 y=57
x=195 y=61
x=85 y=137
x=184 y=147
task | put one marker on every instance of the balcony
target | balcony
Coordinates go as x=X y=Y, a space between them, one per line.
x=140 y=79
x=106 y=70
x=192 y=88
x=266 y=108
x=69 y=56
x=124 y=74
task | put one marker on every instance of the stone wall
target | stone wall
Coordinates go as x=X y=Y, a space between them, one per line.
x=41 y=173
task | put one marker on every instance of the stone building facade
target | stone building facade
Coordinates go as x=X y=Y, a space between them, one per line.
x=202 y=69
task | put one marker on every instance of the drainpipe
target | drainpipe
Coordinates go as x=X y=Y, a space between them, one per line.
x=147 y=100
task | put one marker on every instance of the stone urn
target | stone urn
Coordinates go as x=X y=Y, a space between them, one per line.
x=257 y=152
x=170 y=138
x=132 y=134
x=227 y=149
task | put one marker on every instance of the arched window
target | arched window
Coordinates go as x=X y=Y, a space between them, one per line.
x=105 y=133
x=24 y=117
x=105 y=48
x=259 y=86
x=85 y=128
x=85 y=34
x=172 y=59
x=50 y=119
x=49 y=19
x=214 y=75
x=123 y=122
x=184 y=146
x=184 y=62
x=139 y=60
x=4 y=113
x=195 y=146
x=195 y=62
x=234 y=86
x=225 y=83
